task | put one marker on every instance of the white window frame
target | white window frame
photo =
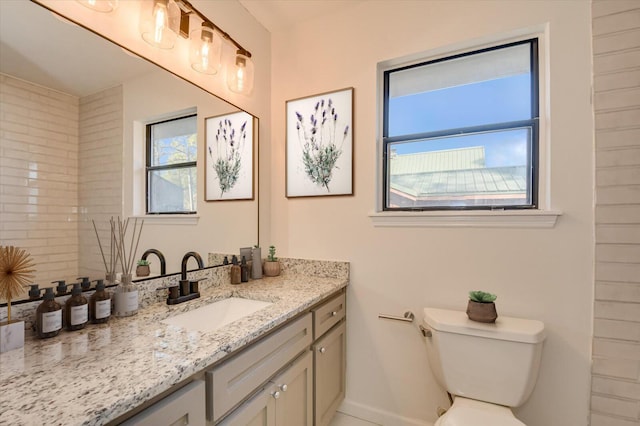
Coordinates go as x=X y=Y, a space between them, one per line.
x=543 y=215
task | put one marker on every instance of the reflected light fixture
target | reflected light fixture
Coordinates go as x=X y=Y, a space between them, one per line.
x=160 y=22
x=205 y=48
x=104 y=6
x=240 y=73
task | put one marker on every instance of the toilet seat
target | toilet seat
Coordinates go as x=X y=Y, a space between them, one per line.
x=469 y=412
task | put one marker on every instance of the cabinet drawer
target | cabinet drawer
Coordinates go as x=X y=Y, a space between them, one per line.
x=328 y=315
x=229 y=383
x=183 y=407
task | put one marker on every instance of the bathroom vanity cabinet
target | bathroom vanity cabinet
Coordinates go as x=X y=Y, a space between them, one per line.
x=283 y=363
x=309 y=354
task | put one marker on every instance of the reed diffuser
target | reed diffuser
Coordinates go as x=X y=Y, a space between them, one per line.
x=122 y=250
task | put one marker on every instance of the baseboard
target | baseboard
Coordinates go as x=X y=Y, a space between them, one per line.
x=376 y=415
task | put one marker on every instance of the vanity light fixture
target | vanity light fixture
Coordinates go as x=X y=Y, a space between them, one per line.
x=104 y=6
x=205 y=48
x=160 y=22
x=240 y=73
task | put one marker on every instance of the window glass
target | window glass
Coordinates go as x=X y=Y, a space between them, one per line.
x=461 y=131
x=171 y=166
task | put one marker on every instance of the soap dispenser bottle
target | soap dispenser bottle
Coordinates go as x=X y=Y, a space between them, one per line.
x=85 y=283
x=61 y=288
x=100 y=304
x=236 y=271
x=48 y=316
x=244 y=270
x=76 y=310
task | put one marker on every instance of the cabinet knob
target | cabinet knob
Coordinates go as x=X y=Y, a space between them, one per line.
x=283 y=387
x=334 y=313
x=276 y=395
x=322 y=349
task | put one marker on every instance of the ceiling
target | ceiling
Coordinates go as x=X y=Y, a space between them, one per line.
x=276 y=15
x=57 y=54
x=38 y=46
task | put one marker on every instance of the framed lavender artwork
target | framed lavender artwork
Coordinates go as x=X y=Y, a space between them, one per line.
x=319 y=153
x=229 y=157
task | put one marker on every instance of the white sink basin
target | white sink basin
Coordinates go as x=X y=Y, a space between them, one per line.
x=216 y=315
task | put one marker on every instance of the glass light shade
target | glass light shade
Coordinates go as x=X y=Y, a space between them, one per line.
x=160 y=22
x=240 y=74
x=205 y=48
x=104 y=6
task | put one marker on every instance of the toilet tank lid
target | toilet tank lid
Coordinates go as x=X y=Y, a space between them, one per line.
x=505 y=328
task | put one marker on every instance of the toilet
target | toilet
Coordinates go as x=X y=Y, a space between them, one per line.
x=487 y=368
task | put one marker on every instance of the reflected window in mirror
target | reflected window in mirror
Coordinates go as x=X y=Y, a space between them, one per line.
x=171 y=166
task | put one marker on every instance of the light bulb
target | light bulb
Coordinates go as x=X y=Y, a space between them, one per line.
x=240 y=76
x=160 y=21
x=205 y=49
x=104 y=6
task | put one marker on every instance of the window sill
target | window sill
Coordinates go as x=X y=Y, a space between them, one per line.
x=470 y=219
x=169 y=219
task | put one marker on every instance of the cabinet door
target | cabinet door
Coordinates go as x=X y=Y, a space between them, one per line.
x=294 y=407
x=183 y=407
x=330 y=367
x=258 y=411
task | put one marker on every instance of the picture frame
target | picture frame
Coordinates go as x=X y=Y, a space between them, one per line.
x=229 y=151
x=319 y=145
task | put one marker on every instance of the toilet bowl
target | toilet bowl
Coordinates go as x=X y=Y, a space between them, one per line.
x=488 y=368
x=467 y=412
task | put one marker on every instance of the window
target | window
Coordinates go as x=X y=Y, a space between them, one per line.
x=461 y=132
x=171 y=166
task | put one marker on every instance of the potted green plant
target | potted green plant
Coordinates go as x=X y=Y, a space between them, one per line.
x=481 y=307
x=143 y=270
x=271 y=265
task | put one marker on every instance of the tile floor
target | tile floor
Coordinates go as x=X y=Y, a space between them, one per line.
x=343 y=420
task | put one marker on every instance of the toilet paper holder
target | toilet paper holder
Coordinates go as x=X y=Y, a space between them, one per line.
x=408 y=317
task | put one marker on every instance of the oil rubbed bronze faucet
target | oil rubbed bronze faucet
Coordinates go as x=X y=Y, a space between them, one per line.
x=163 y=263
x=188 y=289
x=185 y=259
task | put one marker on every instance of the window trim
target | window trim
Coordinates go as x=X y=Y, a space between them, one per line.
x=149 y=168
x=531 y=123
x=474 y=218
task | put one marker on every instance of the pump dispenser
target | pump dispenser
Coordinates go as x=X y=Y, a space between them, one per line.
x=236 y=271
x=85 y=283
x=244 y=270
x=76 y=310
x=48 y=316
x=100 y=304
x=34 y=292
x=61 y=288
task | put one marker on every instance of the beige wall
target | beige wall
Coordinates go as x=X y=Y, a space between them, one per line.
x=545 y=274
x=615 y=398
x=39 y=176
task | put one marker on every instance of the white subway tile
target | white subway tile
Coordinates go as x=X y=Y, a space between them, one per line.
x=615 y=62
x=616 y=367
x=605 y=420
x=626 y=253
x=618 y=234
x=622 y=272
x=615 y=329
x=615 y=310
x=616 y=22
x=616 y=349
x=608 y=7
x=615 y=387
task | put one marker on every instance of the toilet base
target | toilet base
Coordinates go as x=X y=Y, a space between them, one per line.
x=469 y=412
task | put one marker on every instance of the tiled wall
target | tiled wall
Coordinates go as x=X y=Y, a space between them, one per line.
x=615 y=399
x=39 y=175
x=100 y=169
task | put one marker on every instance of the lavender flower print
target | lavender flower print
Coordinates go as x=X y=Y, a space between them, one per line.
x=321 y=138
x=229 y=145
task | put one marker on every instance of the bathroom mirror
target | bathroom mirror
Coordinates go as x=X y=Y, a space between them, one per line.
x=75 y=111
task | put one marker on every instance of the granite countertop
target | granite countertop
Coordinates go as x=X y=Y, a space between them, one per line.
x=94 y=375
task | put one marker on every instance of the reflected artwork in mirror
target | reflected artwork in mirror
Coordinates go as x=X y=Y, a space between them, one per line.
x=75 y=113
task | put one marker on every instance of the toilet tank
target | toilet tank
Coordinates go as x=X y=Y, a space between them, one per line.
x=496 y=363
